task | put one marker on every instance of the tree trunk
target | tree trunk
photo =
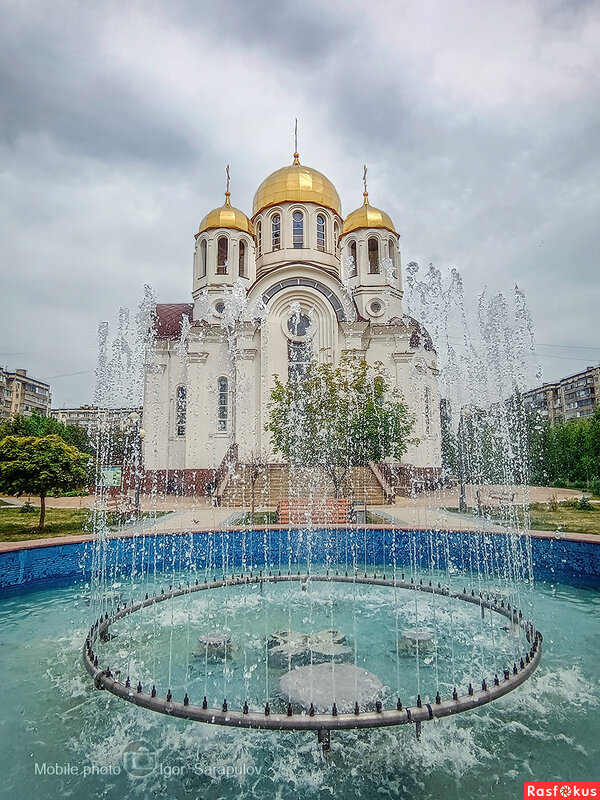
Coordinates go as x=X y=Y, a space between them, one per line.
x=336 y=484
x=42 y=511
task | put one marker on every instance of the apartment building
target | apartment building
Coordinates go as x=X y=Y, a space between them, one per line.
x=91 y=417
x=4 y=396
x=572 y=397
x=22 y=394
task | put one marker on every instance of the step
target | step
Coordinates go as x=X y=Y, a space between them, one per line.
x=276 y=483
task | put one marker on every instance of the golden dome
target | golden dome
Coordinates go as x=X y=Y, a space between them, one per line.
x=296 y=183
x=226 y=217
x=367 y=216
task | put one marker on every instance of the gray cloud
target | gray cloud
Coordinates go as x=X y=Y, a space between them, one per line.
x=479 y=123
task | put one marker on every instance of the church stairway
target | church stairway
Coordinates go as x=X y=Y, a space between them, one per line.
x=273 y=482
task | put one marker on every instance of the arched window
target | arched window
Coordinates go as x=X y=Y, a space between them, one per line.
x=222 y=252
x=378 y=389
x=222 y=403
x=202 y=259
x=373 y=248
x=242 y=259
x=298 y=229
x=276 y=232
x=259 y=239
x=180 y=410
x=321 y=240
x=427 y=410
x=336 y=238
x=299 y=356
x=392 y=251
x=353 y=266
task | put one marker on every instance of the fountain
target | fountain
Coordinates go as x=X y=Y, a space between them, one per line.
x=270 y=634
x=411 y=623
x=266 y=629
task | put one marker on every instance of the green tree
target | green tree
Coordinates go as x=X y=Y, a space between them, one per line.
x=594 y=450
x=566 y=454
x=38 y=425
x=38 y=465
x=540 y=446
x=336 y=418
x=450 y=461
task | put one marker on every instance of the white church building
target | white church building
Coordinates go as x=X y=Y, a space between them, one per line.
x=296 y=280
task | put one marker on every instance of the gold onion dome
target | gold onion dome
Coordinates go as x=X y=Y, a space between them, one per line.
x=367 y=216
x=226 y=217
x=296 y=183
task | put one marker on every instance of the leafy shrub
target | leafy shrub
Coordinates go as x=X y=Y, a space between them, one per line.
x=28 y=508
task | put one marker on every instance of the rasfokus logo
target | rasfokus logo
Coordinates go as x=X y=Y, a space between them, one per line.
x=559 y=789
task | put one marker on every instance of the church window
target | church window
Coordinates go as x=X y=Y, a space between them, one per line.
x=298 y=229
x=259 y=239
x=276 y=232
x=242 y=260
x=180 y=410
x=223 y=403
x=222 y=252
x=373 y=249
x=298 y=324
x=378 y=389
x=299 y=355
x=336 y=238
x=392 y=251
x=321 y=241
x=427 y=410
x=353 y=265
x=202 y=259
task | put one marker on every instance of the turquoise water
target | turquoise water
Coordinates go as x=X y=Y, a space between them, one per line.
x=60 y=736
x=159 y=646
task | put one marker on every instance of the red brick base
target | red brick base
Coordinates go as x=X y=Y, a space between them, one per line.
x=186 y=482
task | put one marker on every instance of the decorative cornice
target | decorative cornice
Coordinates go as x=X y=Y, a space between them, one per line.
x=248 y=353
x=402 y=358
x=197 y=358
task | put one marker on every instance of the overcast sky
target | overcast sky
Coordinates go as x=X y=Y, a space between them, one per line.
x=479 y=120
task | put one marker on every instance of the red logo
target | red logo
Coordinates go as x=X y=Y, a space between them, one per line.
x=561 y=789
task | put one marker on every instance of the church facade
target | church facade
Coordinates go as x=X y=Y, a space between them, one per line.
x=295 y=281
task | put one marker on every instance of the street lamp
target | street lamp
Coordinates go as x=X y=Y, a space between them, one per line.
x=140 y=434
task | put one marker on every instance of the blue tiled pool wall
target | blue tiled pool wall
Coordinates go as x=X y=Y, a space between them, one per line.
x=576 y=563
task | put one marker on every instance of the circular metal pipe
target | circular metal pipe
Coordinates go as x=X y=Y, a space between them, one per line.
x=104 y=679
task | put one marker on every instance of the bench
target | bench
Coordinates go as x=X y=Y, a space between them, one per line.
x=501 y=497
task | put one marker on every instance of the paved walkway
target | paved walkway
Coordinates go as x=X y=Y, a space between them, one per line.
x=428 y=518
x=425 y=511
x=415 y=516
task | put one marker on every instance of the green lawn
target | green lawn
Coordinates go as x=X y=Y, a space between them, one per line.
x=18 y=527
x=568 y=518
x=565 y=516
x=15 y=526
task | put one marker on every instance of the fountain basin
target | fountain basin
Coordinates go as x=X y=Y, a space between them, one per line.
x=43 y=625
x=576 y=562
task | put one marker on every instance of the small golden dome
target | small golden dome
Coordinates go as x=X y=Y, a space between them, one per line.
x=296 y=183
x=226 y=217
x=367 y=216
